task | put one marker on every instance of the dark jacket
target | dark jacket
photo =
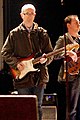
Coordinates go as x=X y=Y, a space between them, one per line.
x=62 y=41
x=17 y=46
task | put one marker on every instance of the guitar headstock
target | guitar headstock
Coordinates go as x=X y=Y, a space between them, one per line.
x=72 y=46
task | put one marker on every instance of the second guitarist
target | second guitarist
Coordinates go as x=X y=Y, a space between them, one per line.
x=69 y=80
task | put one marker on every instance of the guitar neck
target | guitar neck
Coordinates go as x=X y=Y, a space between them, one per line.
x=37 y=60
x=54 y=52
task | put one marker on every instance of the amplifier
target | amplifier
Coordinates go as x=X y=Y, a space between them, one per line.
x=49 y=107
x=18 y=107
x=49 y=113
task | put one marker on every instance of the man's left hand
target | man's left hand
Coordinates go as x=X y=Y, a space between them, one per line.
x=43 y=59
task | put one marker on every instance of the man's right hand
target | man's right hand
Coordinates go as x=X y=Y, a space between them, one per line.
x=20 y=66
x=73 y=55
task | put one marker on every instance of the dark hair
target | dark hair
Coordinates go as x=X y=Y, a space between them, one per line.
x=68 y=20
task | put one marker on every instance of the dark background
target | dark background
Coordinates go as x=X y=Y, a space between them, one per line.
x=50 y=15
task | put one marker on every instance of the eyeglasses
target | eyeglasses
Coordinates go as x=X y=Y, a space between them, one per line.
x=27 y=13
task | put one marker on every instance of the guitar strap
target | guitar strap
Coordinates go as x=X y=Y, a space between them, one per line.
x=70 y=38
x=76 y=40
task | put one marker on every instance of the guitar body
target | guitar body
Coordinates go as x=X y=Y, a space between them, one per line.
x=28 y=67
x=73 y=67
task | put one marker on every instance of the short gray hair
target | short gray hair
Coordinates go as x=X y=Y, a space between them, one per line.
x=26 y=6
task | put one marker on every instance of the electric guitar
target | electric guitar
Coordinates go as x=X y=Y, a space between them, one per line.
x=73 y=67
x=30 y=61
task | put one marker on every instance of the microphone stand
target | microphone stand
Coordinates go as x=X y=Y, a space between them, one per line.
x=67 y=86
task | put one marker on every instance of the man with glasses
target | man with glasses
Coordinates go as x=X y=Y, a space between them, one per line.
x=23 y=45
